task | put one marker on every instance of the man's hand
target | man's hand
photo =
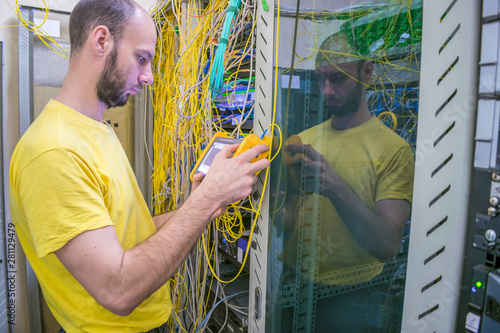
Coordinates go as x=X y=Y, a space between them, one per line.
x=231 y=179
x=320 y=177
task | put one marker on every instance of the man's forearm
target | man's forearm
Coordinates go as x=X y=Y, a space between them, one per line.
x=162 y=254
x=378 y=234
x=161 y=220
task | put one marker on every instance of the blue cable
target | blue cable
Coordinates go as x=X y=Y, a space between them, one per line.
x=217 y=71
x=263 y=134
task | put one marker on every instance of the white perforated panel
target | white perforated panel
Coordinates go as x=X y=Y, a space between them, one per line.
x=448 y=99
x=262 y=119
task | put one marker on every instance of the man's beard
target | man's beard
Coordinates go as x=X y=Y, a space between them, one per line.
x=350 y=106
x=111 y=83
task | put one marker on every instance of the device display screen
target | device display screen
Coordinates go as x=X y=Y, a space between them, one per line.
x=216 y=146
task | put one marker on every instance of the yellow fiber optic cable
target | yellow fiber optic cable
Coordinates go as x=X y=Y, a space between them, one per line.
x=37 y=30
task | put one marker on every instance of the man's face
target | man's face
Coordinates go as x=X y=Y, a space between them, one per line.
x=341 y=87
x=128 y=66
x=112 y=84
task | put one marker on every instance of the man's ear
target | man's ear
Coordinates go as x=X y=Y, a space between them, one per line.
x=367 y=71
x=102 y=41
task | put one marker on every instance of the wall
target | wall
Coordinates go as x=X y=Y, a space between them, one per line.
x=9 y=37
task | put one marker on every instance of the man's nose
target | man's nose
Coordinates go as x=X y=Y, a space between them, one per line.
x=146 y=76
x=328 y=88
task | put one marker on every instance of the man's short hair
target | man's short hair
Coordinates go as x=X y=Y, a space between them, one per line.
x=338 y=48
x=89 y=14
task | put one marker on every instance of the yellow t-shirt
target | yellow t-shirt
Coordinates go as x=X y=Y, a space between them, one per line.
x=69 y=174
x=377 y=164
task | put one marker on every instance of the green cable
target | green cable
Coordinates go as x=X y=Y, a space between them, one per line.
x=265 y=6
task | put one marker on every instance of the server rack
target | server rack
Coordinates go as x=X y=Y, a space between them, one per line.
x=448 y=91
x=479 y=300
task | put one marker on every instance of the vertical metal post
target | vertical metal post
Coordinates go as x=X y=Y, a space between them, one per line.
x=264 y=79
x=448 y=99
x=307 y=259
x=143 y=135
x=26 y=115
x=4 y=324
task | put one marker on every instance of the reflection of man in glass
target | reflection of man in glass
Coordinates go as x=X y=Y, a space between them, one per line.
x=357 y=180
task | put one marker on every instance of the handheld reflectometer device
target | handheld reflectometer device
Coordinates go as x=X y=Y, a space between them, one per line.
x=219 y=140
x=250 y=141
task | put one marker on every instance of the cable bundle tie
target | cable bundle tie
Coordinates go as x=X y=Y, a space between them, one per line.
x=223 y=41
x=232 y=9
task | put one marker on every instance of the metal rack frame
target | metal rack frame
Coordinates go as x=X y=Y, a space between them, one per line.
x=4 y=325
x=264 y=79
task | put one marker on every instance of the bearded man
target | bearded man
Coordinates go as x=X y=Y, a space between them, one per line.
x=353 y=177
x=102 y=261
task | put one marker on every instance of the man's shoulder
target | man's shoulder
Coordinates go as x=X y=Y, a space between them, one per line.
x=316 y=129
x=45 y=123
x=44 y=135
x=384 y=134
